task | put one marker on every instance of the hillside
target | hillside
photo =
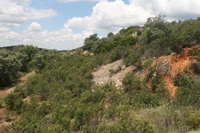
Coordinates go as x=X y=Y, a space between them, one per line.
x=166 y=66
x=142 y=79
x=6 y=91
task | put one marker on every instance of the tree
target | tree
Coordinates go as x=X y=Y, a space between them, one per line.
x=28 y=50
x=10 y=64
x=42 y=57
x=89 y=42
x=110 y=34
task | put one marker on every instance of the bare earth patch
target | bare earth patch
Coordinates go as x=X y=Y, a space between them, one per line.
x=20 y=82
x=166 y=66
x=169 y=66
x=113 y=72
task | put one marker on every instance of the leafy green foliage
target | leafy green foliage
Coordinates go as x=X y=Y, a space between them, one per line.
x=188 y=92
x=28 y=50
x=10 y=64
x=141 y=95
x=195 y=67
x=190 y=118
x=14 y=101
x=163 y=37
x=96 y=45
x=156 y=35
x=1 y=103
x=90 y=41
x=116 y=54
x=42 y=57
x=193 y=52
x=63 y=97
x=133 y=57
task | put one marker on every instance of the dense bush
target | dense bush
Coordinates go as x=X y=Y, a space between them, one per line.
x=42 y=57
x=190 y=118
x=14 y=101
x=188 y=92
x=143 y=96
x=195 y=67
x=63 y=98
x=10 y=64
x=1 y=103
x=133 y=57
x=89 y=42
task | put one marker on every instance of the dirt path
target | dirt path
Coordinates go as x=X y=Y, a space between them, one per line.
x=20 y=82
x=112 y=72
x=5 y=92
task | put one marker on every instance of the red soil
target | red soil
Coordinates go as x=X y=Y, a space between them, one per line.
x=178 y=62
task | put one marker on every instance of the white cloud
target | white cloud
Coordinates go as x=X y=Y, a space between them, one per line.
x=173 y=9
x=35 y=27
x=106 y=16
x=112 y=16
x=4 y=29
x=66 y=1
x=37 y=14
x=17 y=12
x=62 y=39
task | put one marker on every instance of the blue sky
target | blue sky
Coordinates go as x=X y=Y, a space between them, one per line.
x=64 y=11
x=64 y=24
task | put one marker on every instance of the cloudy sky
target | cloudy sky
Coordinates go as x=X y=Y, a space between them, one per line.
x=64 y=24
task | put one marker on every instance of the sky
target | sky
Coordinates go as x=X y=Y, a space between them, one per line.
x=64 y=24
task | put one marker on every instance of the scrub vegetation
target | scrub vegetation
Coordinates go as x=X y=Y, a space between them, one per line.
x=62 y=96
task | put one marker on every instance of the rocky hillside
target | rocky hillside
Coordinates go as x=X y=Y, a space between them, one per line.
x=113 y=72
x=139 y=80
x=167 y=67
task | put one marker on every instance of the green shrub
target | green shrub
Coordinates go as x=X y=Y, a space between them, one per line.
x=190 y=118
x=14 y=101
x=147 y=64
x=181 y=80
x=198 y=58
x=126 y=41
x=133 y=57
x=146 y=99
x=193 y=52
x=53 y=128
x=1 y=103
x=188 y=93
x=112 y=72
x=105 y=47
x=165 y=119
x=168 y=51
x=10 y=64
x=116 y=54
x=131 y=83
x=89 y=42
x=195 y=67
x=130 y=122
x=109 y=128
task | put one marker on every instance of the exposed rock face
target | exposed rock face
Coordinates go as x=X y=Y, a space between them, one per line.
x=163 y=66
x=113 y=72
x=166 y=66
x=169 y=66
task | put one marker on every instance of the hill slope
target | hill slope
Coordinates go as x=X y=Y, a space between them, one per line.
x=156 y=71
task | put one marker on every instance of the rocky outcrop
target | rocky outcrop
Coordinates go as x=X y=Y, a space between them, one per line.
x=166 y=66
x=169 y=66
x=113 y=72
